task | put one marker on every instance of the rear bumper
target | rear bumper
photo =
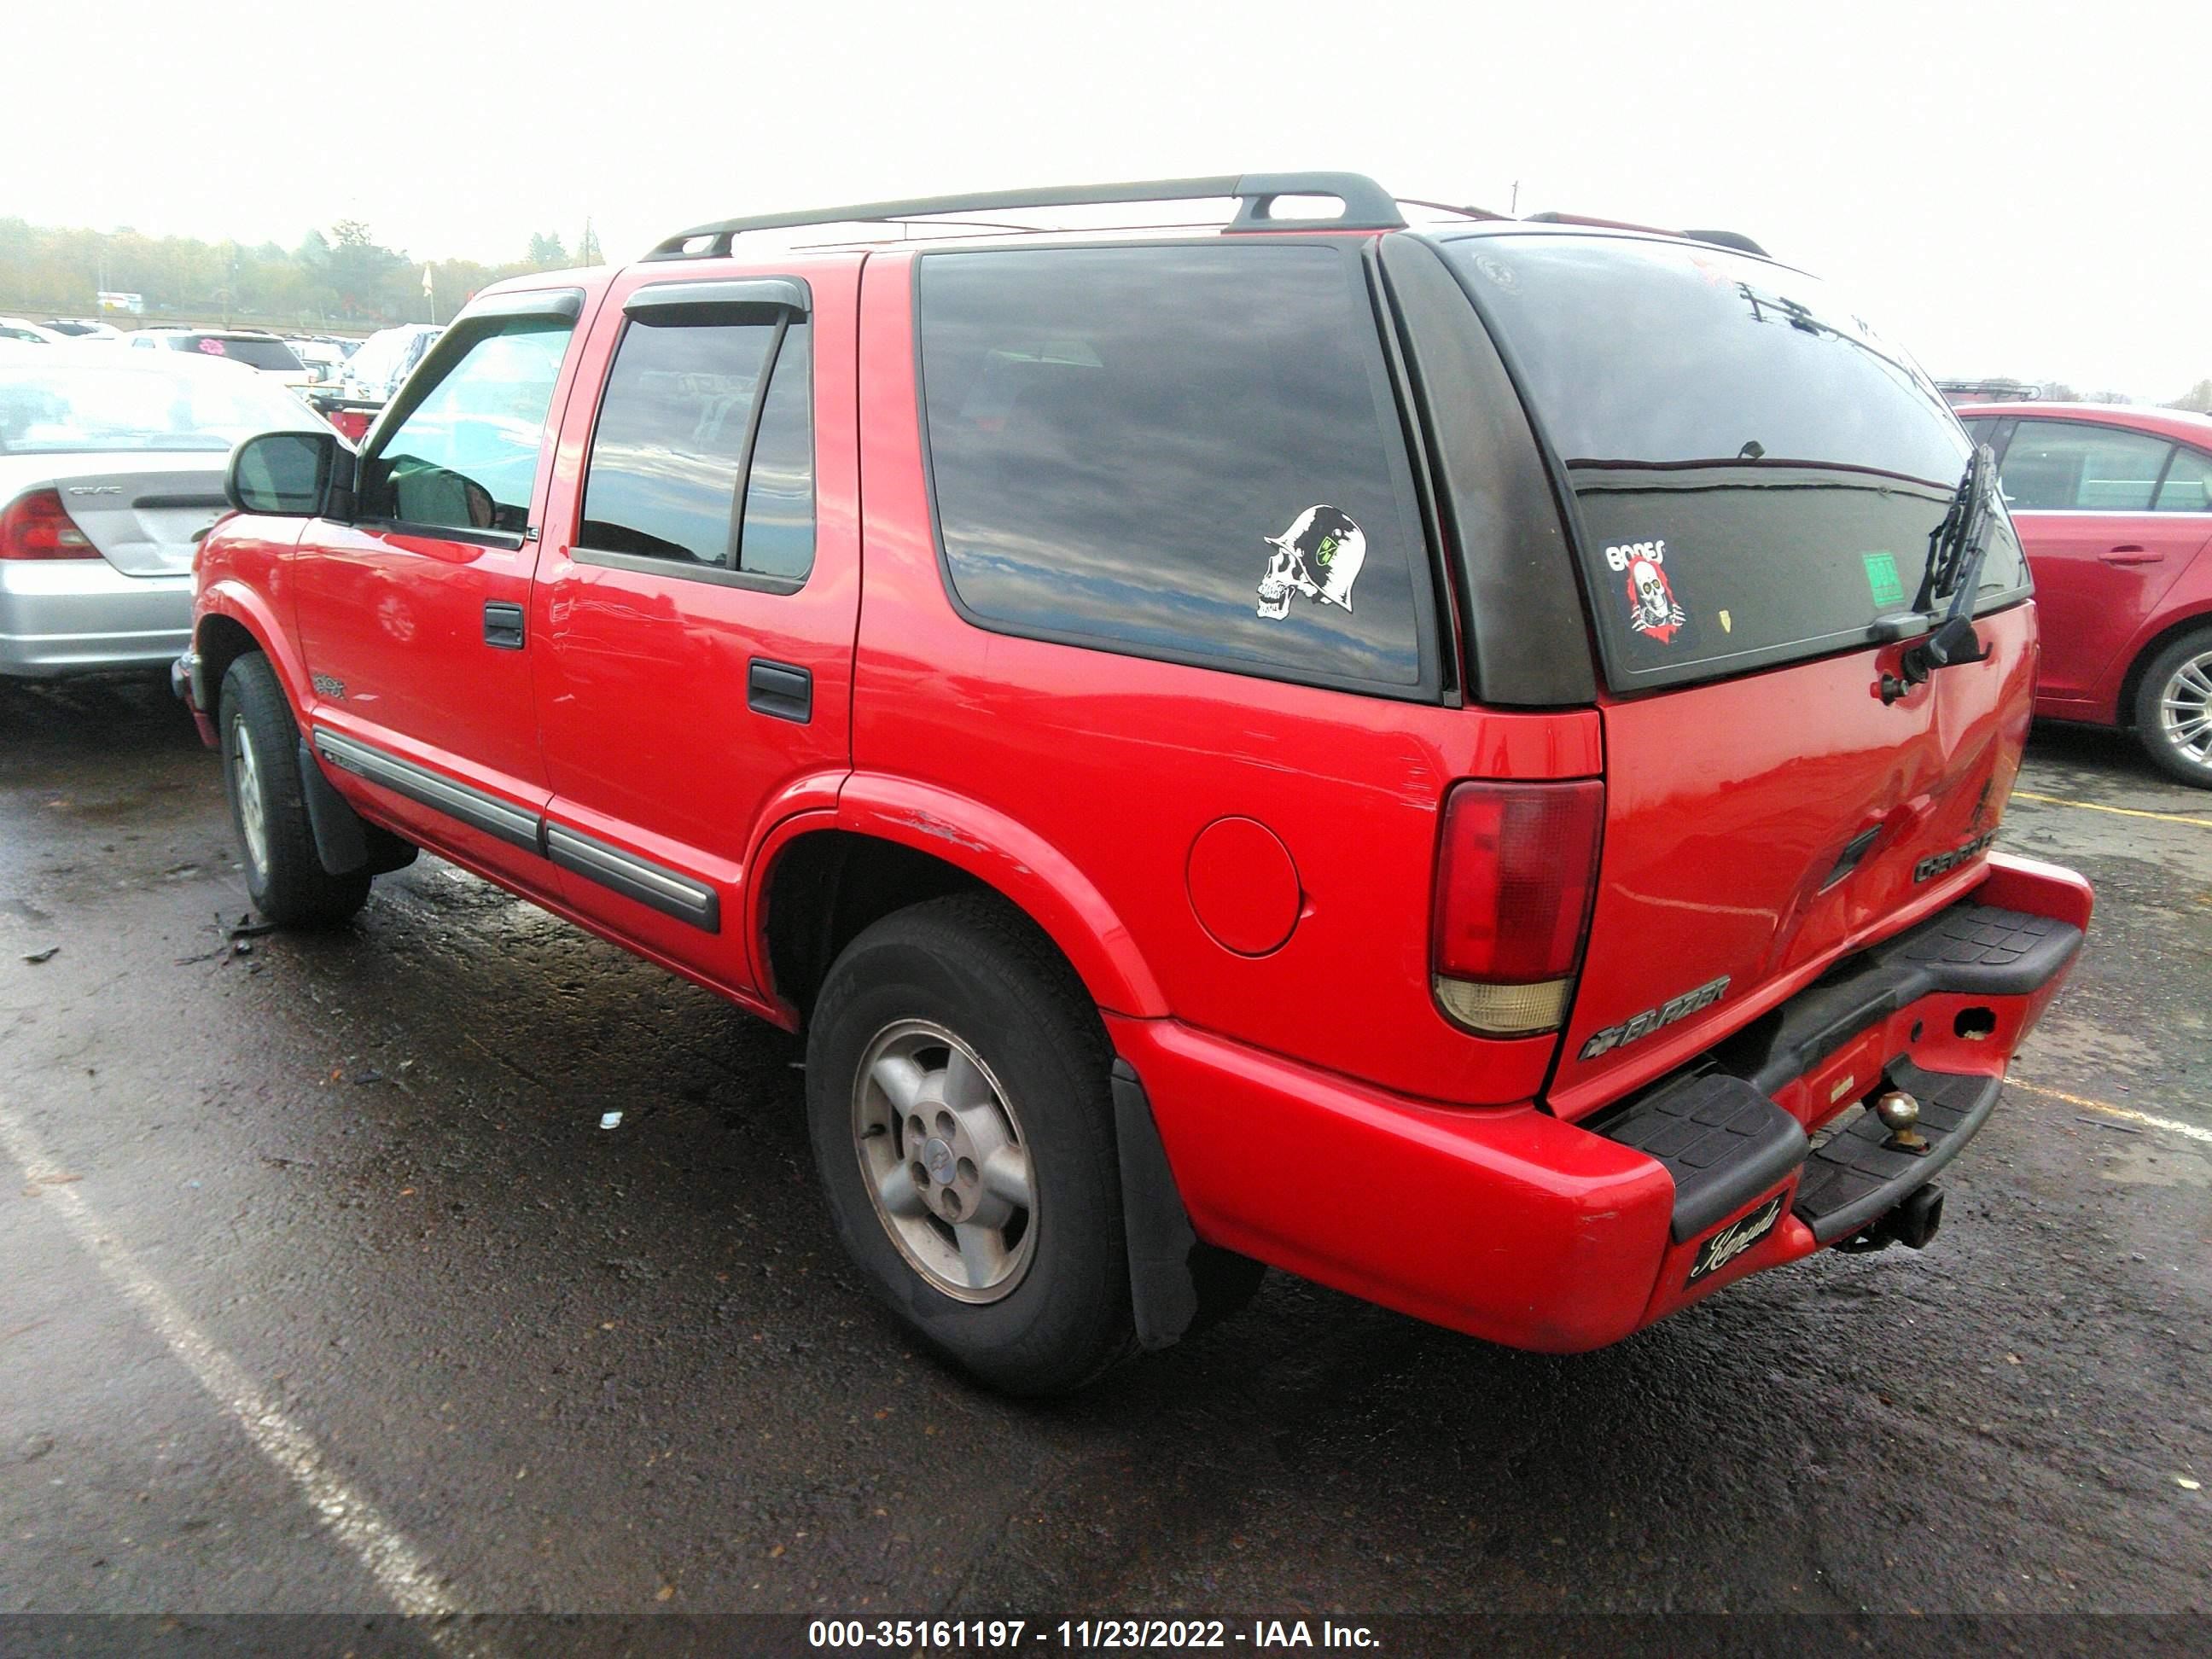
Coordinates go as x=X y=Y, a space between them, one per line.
x=1512 y=1226
x=82 y=616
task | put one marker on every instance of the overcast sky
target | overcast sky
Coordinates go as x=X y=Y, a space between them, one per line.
x=2015 y=188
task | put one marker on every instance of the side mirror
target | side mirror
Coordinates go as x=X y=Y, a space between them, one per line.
x=299 y=474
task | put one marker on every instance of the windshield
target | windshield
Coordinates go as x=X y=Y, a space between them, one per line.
x=1757 y=473
x=92 y=404
x=253 y=352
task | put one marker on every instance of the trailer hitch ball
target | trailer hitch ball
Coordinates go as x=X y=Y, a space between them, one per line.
x=1901 y=1115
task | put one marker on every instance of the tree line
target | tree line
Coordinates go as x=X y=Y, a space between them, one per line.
x=343 y=277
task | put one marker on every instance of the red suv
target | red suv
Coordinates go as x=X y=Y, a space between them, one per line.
x=2114 y=505
x=1459 y=762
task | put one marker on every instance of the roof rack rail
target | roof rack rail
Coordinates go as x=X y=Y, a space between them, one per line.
x=1367 y=206
x=1734 y=239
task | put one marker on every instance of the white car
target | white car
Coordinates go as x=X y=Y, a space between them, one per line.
x=24 y=332
x=110 y=471
x=263 y=353
x=325 y=359
x=373 y=372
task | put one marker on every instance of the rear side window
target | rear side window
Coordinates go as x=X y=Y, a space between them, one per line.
x=2188 y=486
x=2060 y=467
x=1189 y=452
x=684 y=404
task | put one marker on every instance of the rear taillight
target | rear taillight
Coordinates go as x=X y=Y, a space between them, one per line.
x=1514 y=881
x=37 y=526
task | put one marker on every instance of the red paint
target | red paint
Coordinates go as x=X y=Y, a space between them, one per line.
x=1243 y=886
x=639 y=678
x=1726 y=811
x=1507 y=1224
x=2110 y=586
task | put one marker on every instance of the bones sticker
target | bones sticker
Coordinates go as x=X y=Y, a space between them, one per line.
x=1319 y=555
x=1652 y=611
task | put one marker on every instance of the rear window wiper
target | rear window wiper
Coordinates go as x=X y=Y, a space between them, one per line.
x=1956 y=551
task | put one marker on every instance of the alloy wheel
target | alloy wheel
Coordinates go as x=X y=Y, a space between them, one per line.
x=943 y=1157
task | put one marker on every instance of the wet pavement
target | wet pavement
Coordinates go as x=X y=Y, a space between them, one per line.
x=322 y=1233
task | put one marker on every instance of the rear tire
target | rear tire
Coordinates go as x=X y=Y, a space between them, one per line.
x=2174 y=708
x=994 y=1230
x=284 y=876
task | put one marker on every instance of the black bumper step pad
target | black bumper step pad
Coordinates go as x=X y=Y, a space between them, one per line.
x=1723 y=1141
x=1858 y=1177
x=1968 y=949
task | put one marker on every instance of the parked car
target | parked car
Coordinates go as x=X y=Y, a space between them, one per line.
x=83 y=328
x=1305 y=748
x=23 y=331
x=2114 y=504
x=373 y=372
x=324 y=360
x=110 y=468
x=263 y=353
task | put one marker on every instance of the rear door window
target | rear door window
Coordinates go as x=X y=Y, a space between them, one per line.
x=1189 y=452
x=672 y=443
x=2070 y=466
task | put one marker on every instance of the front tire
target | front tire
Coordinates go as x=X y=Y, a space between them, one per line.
x=2174 y=708
x=958 y=1101
x=284 y=876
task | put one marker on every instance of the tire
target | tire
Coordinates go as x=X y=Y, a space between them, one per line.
x=2174 y=708
x=261 y=775
x=1040 y=1304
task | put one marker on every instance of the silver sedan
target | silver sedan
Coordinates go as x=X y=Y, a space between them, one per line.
x=110 y=471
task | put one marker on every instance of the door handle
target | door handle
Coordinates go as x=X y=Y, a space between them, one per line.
x=503 y=626
x=779 y=692
x=2131 y=553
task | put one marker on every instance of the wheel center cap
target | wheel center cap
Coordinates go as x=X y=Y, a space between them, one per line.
x=937 y=1158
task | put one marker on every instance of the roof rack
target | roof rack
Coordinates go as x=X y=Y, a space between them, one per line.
x=1367 y=206
x=1735 y=239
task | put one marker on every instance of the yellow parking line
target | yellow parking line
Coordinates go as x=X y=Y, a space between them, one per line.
x=2128 y=1113
x=2123 y=811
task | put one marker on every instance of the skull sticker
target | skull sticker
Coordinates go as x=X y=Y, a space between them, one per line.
x=1652 y=611
x=1319 y=555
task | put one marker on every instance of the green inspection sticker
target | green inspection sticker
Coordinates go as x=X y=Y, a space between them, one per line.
x=1882 y=579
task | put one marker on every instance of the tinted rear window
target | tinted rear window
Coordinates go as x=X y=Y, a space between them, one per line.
x=1757 y=472
x=254 y=354
x=1183 y=451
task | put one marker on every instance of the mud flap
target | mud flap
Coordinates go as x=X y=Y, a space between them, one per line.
x=343 y=844
x=1178 y=1284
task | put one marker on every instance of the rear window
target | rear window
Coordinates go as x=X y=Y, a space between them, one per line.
x=1757 y=473
x=1182 y=451
x=253 y=353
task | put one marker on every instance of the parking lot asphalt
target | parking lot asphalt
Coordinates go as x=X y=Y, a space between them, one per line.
x=321 y=1287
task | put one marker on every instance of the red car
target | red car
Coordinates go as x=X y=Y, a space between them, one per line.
x=2114 y=505
x=1460 y=763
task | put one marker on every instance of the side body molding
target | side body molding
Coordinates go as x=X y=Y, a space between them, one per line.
x=666 y=891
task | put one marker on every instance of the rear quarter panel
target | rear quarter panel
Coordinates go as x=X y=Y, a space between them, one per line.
x=1115 y=764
